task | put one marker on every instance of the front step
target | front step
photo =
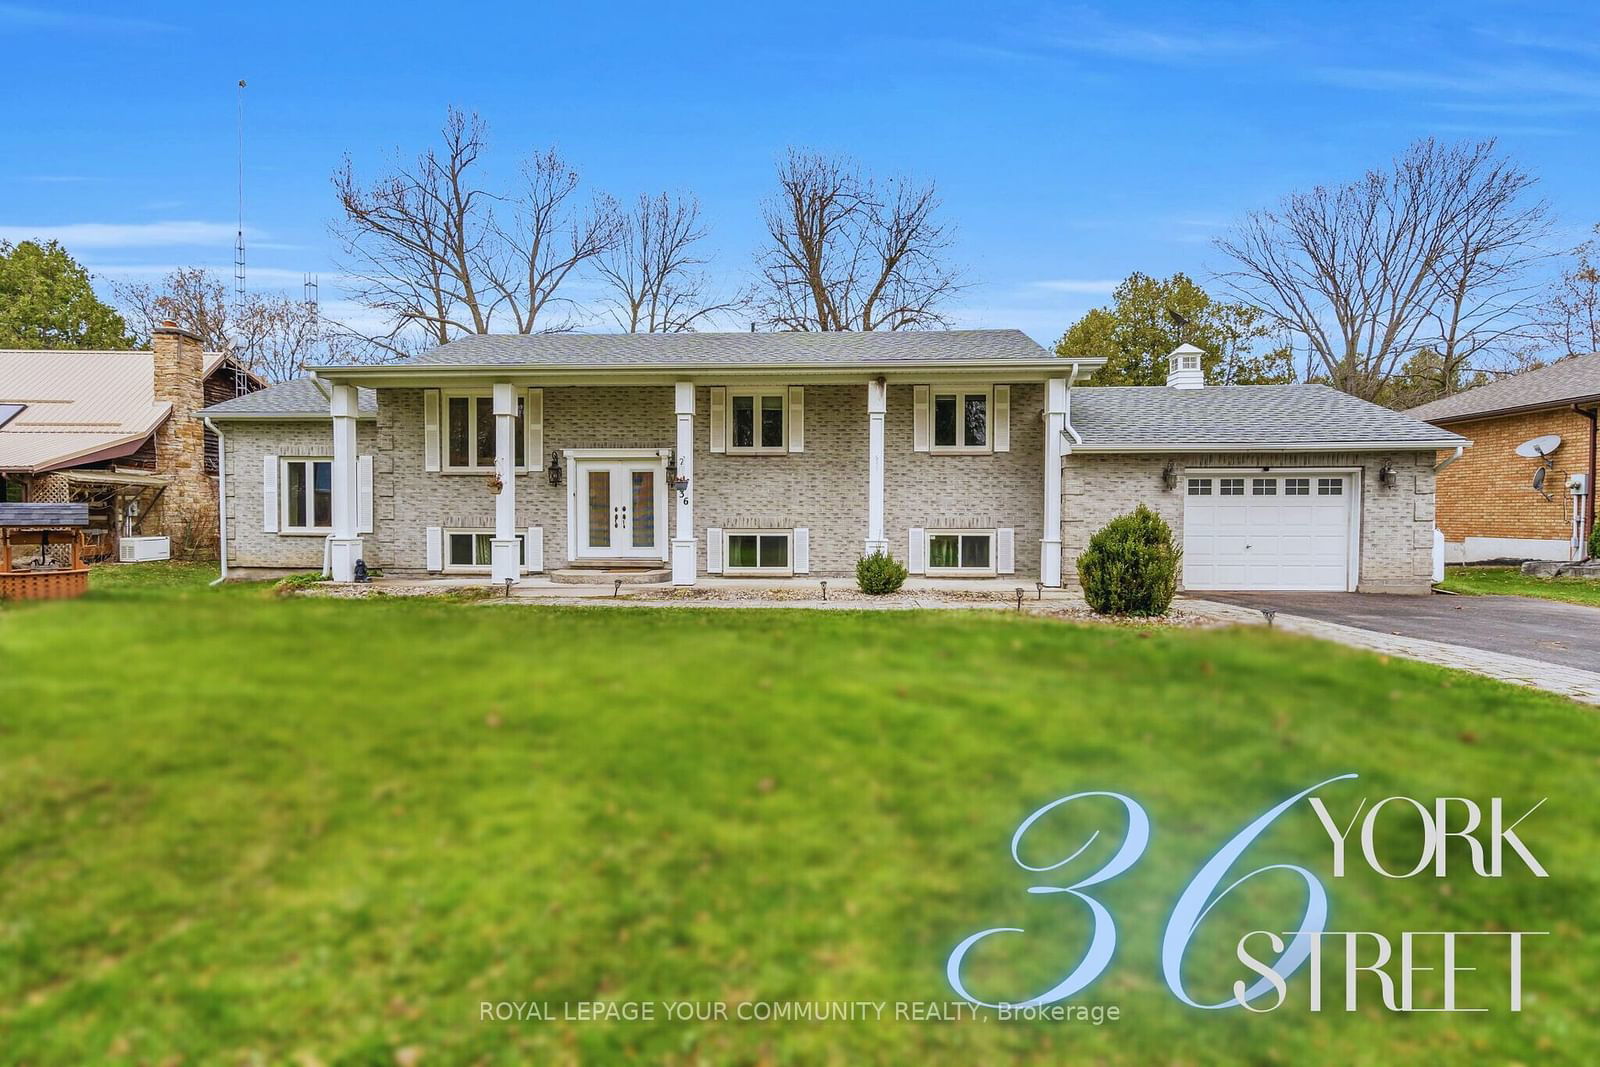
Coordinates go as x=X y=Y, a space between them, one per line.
x=608 y=575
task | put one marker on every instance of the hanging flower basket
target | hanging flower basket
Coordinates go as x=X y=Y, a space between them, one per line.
x=494 y=483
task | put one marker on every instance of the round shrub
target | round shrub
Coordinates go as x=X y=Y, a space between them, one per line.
x=880 y=573
x=1130 y=566
x=1594 y=542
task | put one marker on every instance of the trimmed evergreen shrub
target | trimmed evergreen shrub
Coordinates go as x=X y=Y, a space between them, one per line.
x=880 y=573
x=1594 y=542
x=1130 y=566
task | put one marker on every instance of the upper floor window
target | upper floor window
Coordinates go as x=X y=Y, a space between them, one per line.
x=961 y=421
x=469 y=431
x=760 y=420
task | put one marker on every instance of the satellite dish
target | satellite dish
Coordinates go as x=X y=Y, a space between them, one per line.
x=1538 y=478
x=1540 y=447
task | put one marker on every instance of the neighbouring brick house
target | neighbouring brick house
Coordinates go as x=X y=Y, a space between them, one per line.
x=118 y=430
x=964 y=453
x=1487 y=504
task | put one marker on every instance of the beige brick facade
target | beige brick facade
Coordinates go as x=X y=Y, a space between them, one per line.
x=1489 y=491
x=1396 y=523
x=823 y=488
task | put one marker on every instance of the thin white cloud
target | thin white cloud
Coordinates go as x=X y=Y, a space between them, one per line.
x=17 y=16
x=1077 y=285
x=256 y=277
x=78 y=235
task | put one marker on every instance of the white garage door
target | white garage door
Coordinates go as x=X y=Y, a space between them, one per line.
x=1268 y=531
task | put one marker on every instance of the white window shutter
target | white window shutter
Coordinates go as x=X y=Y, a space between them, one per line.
x=430 y=429
x=719 y=419
x=713 y=550
x=1002 y=418
x=269 y=494
x=797 y=418
x=802 y=551
x=919 y=419
x=534 y=546
x=916 y=551
x=363 y=494
x=435 y=539
x=1005 y=550
x=533 y=417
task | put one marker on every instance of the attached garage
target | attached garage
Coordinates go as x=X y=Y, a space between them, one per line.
x=1281 y=488
x=1271 y=531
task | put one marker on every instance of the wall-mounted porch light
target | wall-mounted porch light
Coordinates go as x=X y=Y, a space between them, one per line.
x=1169 y=476
x=555 y=471
x=1388 y=477
x=676 y=484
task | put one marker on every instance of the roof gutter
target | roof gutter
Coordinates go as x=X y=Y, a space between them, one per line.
x=1520 y=409
x=1276 y=446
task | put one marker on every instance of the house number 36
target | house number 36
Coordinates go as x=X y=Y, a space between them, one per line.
x=1197 y=899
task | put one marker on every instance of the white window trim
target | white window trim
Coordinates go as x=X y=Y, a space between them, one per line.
x=959 y=572
x=467 y=568
x=782 y=393
x=284 y=527
x=445 y=465
x=960 y=392
x=768 y=572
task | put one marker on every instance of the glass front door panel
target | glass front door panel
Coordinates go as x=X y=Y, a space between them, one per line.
x=644 y=509
x=599 y=509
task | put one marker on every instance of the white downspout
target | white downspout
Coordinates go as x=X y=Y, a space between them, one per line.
x=1437 y=467
x=222 y=502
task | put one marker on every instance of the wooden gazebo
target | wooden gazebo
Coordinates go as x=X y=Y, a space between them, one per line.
x=41 y=551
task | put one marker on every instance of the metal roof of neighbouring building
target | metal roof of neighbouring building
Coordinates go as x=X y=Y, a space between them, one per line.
x=1568 y=381
x=1242 y=418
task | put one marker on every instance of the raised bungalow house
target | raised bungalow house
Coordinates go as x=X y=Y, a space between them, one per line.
x=965 y=453
x=1540 y=420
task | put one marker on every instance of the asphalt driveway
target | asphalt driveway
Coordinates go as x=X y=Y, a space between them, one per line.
x=1567 y=634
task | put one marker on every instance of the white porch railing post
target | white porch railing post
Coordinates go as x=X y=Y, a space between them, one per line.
x=685 y=551
x=344 y=547
x=504 y=558
x=1055 y=429
x=877 y=406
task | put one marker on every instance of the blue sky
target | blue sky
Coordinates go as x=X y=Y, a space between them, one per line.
x=1072 y=143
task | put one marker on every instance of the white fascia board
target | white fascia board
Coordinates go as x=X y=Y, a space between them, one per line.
x=1275 y=446
x=413 y=375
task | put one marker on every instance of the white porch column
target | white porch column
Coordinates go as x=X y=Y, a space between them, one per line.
x=344 y=547
x=1055 y=430
x=877 y=406
x=504 y=559
x=685 y=551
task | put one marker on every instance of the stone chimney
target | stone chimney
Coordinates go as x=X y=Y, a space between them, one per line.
x=1184 y=370
x=190 y=501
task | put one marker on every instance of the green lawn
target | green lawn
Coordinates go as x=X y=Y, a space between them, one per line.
x=239 y=829
x=1510 y=581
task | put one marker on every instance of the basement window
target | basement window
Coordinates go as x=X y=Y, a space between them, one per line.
x=961 y=552
x=471 y=550
x=758 y=552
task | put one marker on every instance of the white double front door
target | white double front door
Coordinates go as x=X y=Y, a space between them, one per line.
x=619 y=509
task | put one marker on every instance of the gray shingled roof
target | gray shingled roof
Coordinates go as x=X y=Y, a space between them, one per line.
x=732 y=349
x=1241 y=417
x=1571 y=380
x=297 y=398
x=35 y=514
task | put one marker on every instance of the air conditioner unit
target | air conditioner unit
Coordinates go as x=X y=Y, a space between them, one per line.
x=144 y=549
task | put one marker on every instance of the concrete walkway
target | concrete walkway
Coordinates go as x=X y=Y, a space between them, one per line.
x=1520 y=670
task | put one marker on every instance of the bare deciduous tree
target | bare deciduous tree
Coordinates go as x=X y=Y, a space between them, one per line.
x=1429 y=253
x=847 y=254
x=433 y=249
x=273 y=334
x=1569 y=316
x=654 y=270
